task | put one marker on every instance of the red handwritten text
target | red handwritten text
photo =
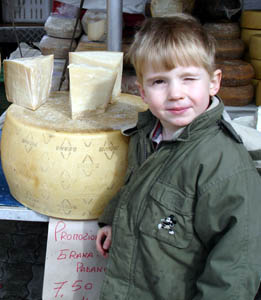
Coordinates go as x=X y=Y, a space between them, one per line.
x=60 y=234
x=80 y=268
x=71 y=254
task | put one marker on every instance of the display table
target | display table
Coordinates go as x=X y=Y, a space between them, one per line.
x=10 y=209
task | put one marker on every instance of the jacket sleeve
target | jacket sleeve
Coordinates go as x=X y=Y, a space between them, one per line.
x=228 y=222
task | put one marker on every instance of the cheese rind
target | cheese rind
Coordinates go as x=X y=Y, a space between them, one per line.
x=246 y=35
x=66 y=168
x=258 y=93
x=251 y=19
x=255 y=46
x=108 y=59
x=256 y=63
x=90 y=89
x=28 y=80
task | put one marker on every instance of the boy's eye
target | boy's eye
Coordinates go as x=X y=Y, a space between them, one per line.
x=189 y=78
x=158 y=81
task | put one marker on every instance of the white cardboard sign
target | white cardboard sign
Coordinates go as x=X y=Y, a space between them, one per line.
x=73 y=268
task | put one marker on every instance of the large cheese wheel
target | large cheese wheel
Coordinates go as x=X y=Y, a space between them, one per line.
x=62 y=167
x=230 y=49
x=246 y=35
x=256 y=63
x=251 y=19
x=235 y=72
x=237 y=96
x=223 y=30
x=255 y=46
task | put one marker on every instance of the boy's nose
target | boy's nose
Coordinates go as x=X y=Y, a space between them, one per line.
x=175 y=91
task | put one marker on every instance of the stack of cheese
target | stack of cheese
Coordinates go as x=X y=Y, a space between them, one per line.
x=55 y=161
x=236 y=87
x=59 y=31
x=251 y=35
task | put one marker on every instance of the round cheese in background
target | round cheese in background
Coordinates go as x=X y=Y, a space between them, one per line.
x=62 y=27
x=230 y=49
x=223 y=30
x=246 y=35
x=237 y=95
x=67 y=168
x=56 y=46
x=255 y=46
x=256 y=63
x=251 y=19
x=235 y=72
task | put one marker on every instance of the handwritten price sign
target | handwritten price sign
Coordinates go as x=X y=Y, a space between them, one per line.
x=73 y=269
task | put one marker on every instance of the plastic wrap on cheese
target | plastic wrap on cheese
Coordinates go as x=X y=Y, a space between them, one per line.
x=107 y=59
x=56 y=46
x=62 y=27
x=90 y=89
x=28 y=80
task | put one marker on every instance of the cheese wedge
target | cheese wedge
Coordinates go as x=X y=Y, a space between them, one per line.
x=107 y=59
x=28 y=80
x=90 y=89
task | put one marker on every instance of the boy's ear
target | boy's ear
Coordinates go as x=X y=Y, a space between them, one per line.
x=215 y=82
x=141 y=89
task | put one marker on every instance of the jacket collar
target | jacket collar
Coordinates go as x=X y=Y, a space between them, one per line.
x=147 y=121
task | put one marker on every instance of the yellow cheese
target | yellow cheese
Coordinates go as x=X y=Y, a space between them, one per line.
x=165 y=8
x=90 y=89
x=258 y=93
x=246 y=35
x=62 y=167
x=251 y=19
x=28 y=80
x=108 y=59
x=256 y=63
x=255 y=46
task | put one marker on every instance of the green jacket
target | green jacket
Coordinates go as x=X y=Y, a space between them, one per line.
x=206 y=180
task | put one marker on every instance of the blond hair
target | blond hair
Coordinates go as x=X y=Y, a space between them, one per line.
x=165 y=43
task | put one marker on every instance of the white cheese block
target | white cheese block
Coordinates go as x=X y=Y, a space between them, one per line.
x=28 y=80
x=62 y=27
x=108 y=59
x=66 y=168
x=90 y=89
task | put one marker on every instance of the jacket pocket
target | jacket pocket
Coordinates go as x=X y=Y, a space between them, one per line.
x=168 y=216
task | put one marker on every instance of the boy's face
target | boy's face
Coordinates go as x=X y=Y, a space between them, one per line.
x=178 y=96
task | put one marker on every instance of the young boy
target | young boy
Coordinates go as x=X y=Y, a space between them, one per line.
x=186 y=224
